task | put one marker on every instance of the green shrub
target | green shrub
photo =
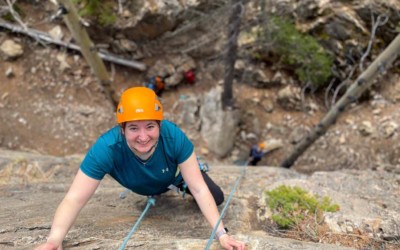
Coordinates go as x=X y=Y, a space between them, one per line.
x=292 y=205
x=102 y=11
x=9 y=17
x=301 y=52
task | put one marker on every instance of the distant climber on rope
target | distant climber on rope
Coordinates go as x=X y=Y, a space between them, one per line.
x=256 y=153
x=147 y=155
x=157 y=84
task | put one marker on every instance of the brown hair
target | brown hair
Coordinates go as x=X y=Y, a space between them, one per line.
x=123 y=124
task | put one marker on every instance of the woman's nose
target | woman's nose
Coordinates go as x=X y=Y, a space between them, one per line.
x=142 y=134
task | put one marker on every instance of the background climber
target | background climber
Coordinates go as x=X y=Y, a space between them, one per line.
x=157 y=84
x=256 y=153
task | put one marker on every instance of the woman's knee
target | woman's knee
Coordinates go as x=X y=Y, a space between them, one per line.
x=215 y=190
x=219 y=197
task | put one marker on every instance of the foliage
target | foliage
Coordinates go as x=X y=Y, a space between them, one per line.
x=102 y=11
x=9 y=17
x=292 y=205
x=301 y=52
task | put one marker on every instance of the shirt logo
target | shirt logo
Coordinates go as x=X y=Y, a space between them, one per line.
x=164 y=170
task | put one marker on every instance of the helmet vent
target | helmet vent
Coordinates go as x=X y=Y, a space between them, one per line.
x=120 y=110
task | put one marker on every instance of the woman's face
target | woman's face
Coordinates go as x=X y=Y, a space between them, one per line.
x=141 y=136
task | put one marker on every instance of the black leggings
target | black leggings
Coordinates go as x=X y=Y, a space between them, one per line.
x=215 y=190
x=254 y=161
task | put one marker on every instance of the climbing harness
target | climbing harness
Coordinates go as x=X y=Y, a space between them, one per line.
x=202 y=164
x=212 y=237
x=183 y=186
x=150 y=202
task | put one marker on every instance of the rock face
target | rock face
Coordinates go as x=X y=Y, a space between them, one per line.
x=218 y=126
x=368 y=202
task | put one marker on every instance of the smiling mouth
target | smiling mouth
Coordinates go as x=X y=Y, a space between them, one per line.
x=145 y=145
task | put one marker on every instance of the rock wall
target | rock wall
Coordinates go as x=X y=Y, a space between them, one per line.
x=368 y=201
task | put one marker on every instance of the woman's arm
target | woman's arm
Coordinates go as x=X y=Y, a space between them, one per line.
x=81 y=190
x=197 y=186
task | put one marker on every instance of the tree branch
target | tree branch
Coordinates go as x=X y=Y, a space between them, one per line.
x=379 y=66
x=43 y=36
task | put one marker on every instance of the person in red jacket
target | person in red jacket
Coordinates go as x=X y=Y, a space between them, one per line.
x=190 y=76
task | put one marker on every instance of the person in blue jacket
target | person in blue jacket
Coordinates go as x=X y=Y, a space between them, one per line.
x=147 y=155
x=157 y=84
x=256 y=153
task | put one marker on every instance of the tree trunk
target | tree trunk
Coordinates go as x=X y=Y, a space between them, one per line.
x=88 y=49
x=379 y=66
x=230 y=59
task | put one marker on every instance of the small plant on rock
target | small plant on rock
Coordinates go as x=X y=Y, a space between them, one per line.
x=291 y=206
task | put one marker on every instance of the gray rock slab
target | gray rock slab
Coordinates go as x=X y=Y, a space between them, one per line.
x=28 y=202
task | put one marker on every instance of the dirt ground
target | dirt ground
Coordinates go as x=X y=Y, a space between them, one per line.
x=51 y=108
x=51 y=103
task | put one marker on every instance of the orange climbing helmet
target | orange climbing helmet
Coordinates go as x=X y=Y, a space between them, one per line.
x=261 y=145
x=139 y=103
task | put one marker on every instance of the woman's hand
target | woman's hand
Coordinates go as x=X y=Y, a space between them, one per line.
x=48 y=246
x=229 y=243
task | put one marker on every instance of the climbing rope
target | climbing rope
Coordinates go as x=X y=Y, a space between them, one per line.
x=233 y=190
x=150 y=202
